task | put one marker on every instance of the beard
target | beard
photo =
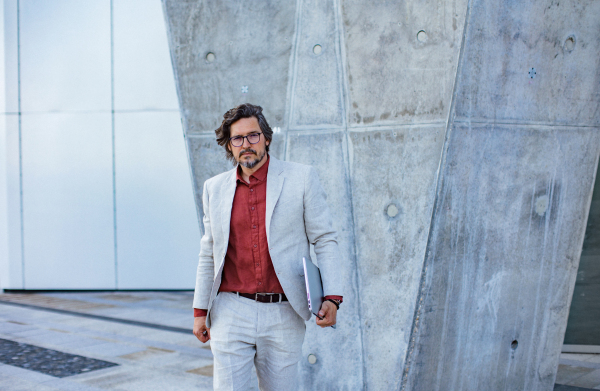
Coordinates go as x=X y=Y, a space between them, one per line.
x=253 y=162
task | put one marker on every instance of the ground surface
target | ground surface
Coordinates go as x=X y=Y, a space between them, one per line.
x=147 y=334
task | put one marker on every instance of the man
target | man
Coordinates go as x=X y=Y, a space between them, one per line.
x=259 y=219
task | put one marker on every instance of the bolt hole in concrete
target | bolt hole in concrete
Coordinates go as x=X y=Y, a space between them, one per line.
x=392 y=210
x=312 y=359
x=514 y=344
x=210 y=57
x=570 y=43
x=317 y=49
x=422 y=36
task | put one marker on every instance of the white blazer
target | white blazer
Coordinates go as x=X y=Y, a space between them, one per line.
x=297 y=215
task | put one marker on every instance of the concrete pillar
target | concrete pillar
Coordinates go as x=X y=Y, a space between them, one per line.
x=459 y=177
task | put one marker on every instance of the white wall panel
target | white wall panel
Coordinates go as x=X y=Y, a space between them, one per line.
x=158 y=238
x=4 y=259
x=68 y=201
x=13 y=265
x=65 y=55
x=10 y=62
x=143 y=74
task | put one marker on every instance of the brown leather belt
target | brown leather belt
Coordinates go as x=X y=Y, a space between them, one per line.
x=264 y=297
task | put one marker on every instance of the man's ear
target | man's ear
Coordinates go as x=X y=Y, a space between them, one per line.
x=267 y=142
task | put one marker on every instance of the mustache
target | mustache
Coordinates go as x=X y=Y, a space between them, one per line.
x=247 y=150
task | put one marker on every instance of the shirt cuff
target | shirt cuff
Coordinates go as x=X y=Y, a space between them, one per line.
x=340 y=298
x=199 y=313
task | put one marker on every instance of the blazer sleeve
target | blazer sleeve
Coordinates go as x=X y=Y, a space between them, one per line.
x=320 y=232
x=205 y=271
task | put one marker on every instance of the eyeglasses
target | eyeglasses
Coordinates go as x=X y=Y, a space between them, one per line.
x=238 y=141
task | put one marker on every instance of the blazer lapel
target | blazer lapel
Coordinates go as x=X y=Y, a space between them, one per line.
x=274 y=186
x=228 y=191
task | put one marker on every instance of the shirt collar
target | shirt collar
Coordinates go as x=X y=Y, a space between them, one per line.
x=259 y=175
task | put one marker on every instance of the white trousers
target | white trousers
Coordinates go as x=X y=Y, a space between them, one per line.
x=245 y=332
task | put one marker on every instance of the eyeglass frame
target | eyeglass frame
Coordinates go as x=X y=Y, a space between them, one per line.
x=245 y=137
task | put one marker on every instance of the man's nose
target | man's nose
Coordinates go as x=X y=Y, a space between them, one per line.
x=246 y=141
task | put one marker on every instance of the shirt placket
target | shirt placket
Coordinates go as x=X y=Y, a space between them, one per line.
x=255 y=237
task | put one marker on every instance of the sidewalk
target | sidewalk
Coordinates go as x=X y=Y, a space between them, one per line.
x=148 y=358
x=147 y=334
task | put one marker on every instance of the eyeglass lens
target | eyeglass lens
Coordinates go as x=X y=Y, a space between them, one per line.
x=238 y=141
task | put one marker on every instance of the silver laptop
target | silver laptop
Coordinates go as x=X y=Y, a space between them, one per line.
x=314 y=287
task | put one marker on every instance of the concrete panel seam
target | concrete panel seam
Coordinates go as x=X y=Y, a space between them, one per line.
x=20 y=142
x=340 y=56
x=345 y=99
x=386 y=127
x=421 y=290
x=314 y=127
x=349 y=128
x=484 y=121
x=316 y=132
x=112 y=127
x=293 y=70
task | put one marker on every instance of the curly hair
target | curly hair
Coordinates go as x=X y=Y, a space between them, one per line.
x=245 y=110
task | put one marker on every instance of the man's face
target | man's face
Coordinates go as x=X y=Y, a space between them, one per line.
x=248 y=155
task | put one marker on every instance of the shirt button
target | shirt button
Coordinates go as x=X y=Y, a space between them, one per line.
x=255 y=246
x=254 y=226
x=258 y=264
x=259 y=283
x=252 y=208
x=251 y=189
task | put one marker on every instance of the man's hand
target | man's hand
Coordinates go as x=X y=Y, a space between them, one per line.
x=200 y=330
x=328 y=312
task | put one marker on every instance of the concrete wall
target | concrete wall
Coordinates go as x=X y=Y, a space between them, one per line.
x=459 y=177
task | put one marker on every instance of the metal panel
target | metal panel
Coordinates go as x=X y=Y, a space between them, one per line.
x=65 y=55
x=143 y=74
x=158 y=239
x=10 y=57
x=68 y=201
x=14 y=277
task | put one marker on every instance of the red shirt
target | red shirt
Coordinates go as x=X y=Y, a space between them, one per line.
x=248 y=267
